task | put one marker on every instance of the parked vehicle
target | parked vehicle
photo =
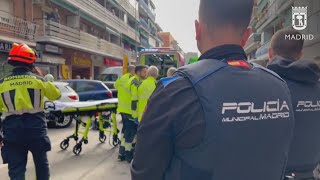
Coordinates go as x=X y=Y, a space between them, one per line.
x=67 y=95
x=109 y=76
x=90 y=90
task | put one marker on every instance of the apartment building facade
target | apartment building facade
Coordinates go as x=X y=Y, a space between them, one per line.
x=148 y=27
x=169 y=41
x=72 y=37
x=272 y=15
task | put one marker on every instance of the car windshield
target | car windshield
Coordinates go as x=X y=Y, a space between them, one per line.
x=109 y=77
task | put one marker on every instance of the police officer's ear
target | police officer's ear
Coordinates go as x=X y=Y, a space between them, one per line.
x=198 y=30
x=271 y=54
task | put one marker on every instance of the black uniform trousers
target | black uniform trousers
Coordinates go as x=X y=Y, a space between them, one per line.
x=129 y=131
x=16 y=155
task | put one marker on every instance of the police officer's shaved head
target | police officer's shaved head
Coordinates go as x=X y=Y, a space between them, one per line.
x=153 y=71
x=217 y=13
x=282 y=44
x=222 y=22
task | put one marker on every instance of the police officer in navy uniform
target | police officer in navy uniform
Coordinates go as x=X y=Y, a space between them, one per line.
x=21 y=103
x=220 y=118
x=302 y=77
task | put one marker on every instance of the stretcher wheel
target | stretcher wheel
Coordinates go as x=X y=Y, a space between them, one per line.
x=102 y=138
x=116 y=141
x=64 y=144
x=77 y=149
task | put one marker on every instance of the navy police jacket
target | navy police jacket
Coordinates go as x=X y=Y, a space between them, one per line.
x=302 y=78
x=218 y=119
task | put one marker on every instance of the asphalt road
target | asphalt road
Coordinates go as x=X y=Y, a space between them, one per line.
x=97 y=161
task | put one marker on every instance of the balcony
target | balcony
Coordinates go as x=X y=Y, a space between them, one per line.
x=132 y=56
x=152 y=41
x=95 y=10
x=252 y=42
x=56 y=33
x=275 y=9
x=144 y=43
x=262 y=52
x=145 y=25
x=147 y=9
x=128 y=7
x=17 y=30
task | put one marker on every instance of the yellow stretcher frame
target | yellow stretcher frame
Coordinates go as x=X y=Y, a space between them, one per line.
x=90 y=112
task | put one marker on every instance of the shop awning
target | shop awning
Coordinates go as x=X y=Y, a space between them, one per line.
x=53 y=59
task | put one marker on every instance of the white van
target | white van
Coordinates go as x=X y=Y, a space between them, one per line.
x=111 y=73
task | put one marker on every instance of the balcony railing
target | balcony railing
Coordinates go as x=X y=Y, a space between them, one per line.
x=144 y=24
x=144 y=43
x=132 y=56
x=252 y=42
x=128 y=7
x=11 y=26
x=145 y=6
x=67 y=36
x=94 y=9
x=152 y=41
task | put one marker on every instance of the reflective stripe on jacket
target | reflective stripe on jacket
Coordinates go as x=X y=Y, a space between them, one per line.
x=24 y=93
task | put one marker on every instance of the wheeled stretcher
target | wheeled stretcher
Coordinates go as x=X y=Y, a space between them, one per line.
x=84 y=113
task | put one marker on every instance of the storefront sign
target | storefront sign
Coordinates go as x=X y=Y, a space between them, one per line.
x=81 y=61
x=5 y=46
x=112 y=62
x=65 y=72
x=52 y=48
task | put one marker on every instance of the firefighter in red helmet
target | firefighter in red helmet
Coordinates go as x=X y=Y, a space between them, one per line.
x=23 y=122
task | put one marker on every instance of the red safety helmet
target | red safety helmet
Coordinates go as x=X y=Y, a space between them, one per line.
x=22 y=55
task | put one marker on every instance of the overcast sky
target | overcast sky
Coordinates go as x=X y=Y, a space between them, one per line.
x=177 y=17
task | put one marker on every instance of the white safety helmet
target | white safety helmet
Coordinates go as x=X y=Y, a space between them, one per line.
x=49 y=77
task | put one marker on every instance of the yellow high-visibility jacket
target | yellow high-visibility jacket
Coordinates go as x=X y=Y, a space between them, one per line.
x=124 y=94
x=134 y=84
x=23 y=92
x=145 y=90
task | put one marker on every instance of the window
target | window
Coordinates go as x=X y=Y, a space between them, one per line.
x=86 y=86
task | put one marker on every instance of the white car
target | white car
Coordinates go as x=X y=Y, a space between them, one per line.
x=67 y=95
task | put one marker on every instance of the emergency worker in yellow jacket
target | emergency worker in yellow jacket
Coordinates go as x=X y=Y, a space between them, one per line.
x=124 y=105
x=22 y=103
x=146 y=89
x=131 y=129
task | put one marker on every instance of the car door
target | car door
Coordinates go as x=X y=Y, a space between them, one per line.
x=100 y=92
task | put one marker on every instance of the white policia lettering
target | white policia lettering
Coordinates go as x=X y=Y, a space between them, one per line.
x=304 y=106
x=266 y=110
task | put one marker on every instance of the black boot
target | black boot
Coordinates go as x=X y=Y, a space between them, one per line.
x=122 y=154
x=129 y=156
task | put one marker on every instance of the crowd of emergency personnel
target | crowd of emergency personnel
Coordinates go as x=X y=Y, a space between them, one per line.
x=221 y=118
x=134 y=90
